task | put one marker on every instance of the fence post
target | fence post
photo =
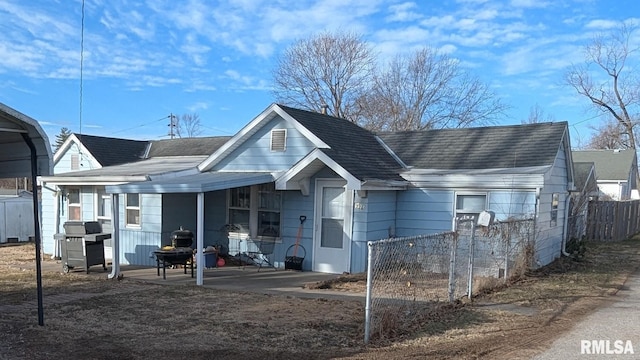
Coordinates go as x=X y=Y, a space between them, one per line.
x=471 y=257
x=452 y=265
x=367 y=308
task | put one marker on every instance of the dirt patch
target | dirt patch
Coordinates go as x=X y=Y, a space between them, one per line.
x=347 y=282
x=137 y=320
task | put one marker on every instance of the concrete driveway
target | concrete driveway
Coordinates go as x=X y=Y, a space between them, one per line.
x=612 y=332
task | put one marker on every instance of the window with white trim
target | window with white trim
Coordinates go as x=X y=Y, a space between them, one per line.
x=74 y=207
x=103 y=204
x=255 y=210
x=132 y=210
x=470 y=204
x=555 y=201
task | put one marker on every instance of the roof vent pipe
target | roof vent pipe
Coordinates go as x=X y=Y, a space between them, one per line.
x=324 y=108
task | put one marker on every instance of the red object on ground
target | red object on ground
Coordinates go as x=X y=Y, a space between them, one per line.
x=221 y=262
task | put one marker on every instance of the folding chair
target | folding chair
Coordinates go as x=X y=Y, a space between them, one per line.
x=260 y=252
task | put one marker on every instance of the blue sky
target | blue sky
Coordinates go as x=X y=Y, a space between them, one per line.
x=146 y=59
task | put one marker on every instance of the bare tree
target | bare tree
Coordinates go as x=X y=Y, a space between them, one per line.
x=426 y=90
x=604 y=81
x=609 y=135
x=330 y=69
x=537 y=115
x=188 y=126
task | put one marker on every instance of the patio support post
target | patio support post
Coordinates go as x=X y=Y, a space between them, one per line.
x=200 y=238
x=115 y=236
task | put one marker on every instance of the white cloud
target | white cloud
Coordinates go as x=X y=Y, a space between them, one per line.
x=201 y=105
x=403 y=12
x=530 y=3
x=602 y=24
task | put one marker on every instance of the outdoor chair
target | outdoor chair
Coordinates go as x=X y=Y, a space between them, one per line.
x=259 y=251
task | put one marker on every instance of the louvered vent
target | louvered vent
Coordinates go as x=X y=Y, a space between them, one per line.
x=75 y=162
x=278 y=139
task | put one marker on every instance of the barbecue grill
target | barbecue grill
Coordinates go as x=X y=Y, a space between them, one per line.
x=179 y=253
x=82 y=245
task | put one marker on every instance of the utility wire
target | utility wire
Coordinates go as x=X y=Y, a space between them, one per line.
x=141 y=125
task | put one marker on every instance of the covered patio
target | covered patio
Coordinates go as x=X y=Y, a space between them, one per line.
x=198 y=184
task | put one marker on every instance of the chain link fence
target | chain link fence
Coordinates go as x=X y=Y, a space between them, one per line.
x=410 y=278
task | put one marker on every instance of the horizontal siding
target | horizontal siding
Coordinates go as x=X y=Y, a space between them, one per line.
x=374 y=219
x=422 y=211
x=549 y=236
x=512 y=204
x=255 y=154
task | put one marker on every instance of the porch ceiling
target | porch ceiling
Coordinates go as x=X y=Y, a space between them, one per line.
x=197 y=183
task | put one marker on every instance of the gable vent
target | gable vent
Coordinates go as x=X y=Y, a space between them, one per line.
x=278 y=139
x=75 y=162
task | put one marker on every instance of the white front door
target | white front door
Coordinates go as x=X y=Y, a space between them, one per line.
x=332 y=227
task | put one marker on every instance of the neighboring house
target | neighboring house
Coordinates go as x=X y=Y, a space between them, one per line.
x=616 y=170
x=351 y=185
x=586 y=190
x=586 y=184
x=66 y=198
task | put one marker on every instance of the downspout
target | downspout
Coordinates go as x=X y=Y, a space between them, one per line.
x=36 y=224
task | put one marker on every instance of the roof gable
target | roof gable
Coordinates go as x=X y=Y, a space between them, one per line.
x=106 y=151
x=609 y=164
x=494 y=147
x=251 y=129
x=584 y=173
x=354 y=148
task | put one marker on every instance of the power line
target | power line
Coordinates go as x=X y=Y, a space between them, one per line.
x=142 y=125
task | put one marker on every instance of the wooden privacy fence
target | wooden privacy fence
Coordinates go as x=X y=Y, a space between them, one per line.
x=613 y=220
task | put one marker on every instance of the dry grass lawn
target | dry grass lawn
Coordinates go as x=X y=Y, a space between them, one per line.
x=89 y=317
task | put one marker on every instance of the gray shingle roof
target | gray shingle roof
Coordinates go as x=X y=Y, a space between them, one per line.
x=354 y=148
x=610 y=164
x=479 y=148
x=581 y=171
x=113 y=151
x=187 y=146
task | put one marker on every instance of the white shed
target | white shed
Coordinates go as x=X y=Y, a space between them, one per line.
x=16 y=218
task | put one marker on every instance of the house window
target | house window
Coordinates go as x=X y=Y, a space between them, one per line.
x=103 y=212
x=269 y=210
x=75 y=162
x=132 y=209
x=73 y=204
x=470 y=204
x=255 y=210
x=278 y=140
x=555 y=201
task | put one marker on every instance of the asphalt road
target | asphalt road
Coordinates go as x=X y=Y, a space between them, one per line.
x=612 y=332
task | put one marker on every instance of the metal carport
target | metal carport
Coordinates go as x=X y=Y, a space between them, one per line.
x=25 y=152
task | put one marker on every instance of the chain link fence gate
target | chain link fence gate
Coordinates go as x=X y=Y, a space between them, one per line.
x=410 y=278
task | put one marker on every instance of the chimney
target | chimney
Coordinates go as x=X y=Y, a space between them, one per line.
x=324 y=109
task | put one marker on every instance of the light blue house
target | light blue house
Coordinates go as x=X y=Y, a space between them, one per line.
x=351 y=185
